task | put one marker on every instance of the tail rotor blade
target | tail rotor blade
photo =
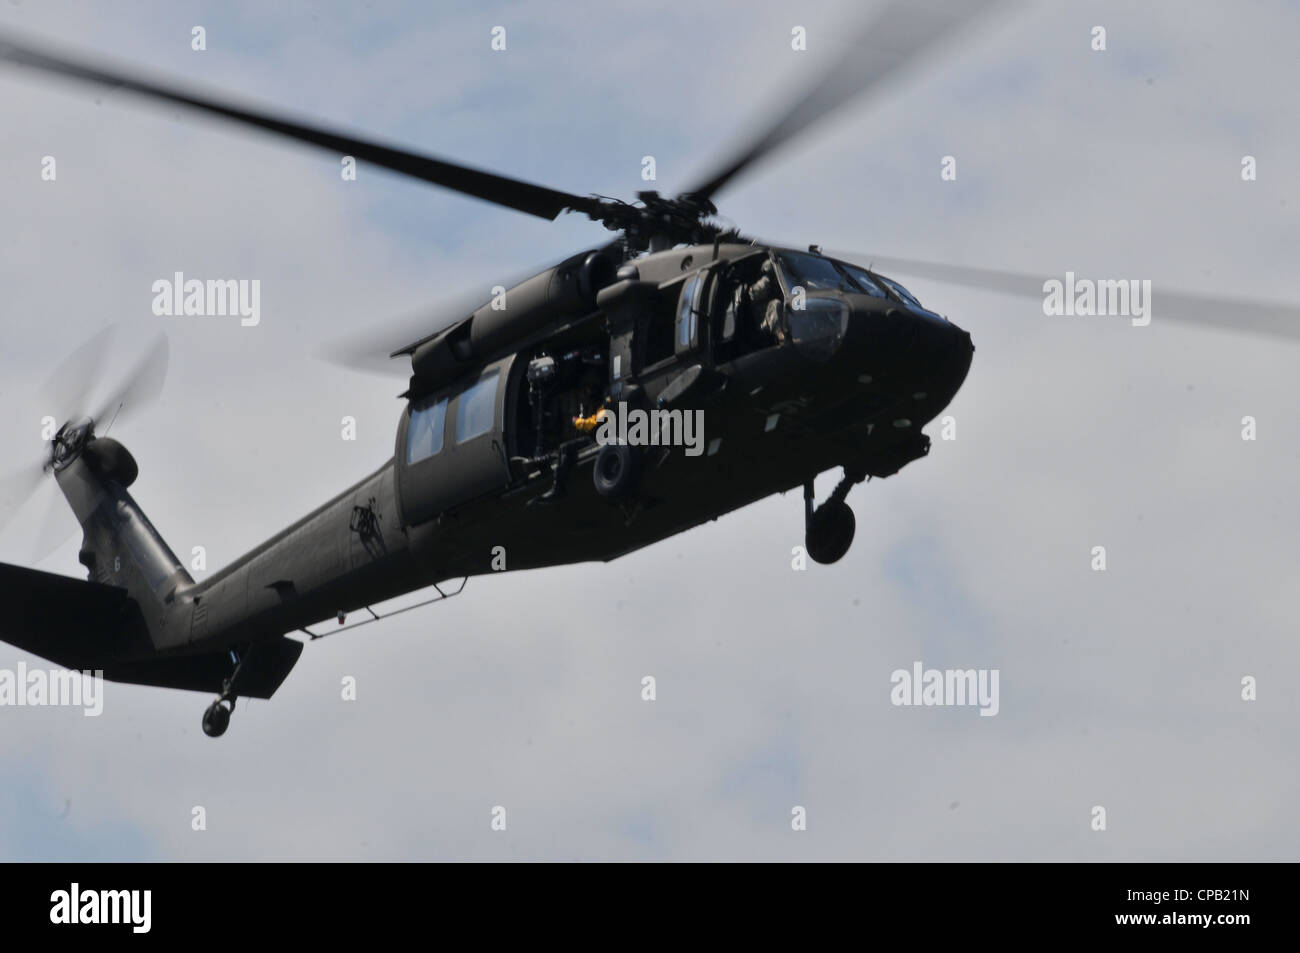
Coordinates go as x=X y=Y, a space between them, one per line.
x=57 y=526
x=140 y=387
x=66 y=392
x=16 y=489
x=63 y=395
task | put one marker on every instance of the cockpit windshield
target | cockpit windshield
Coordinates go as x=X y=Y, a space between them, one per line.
x=864 y=279
x=899 y=290
x=815 y=273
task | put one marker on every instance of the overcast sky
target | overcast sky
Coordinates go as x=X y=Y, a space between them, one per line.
x=1119 y=689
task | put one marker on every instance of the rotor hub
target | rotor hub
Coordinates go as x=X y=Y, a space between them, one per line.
x=658 y=220
x=70 y=441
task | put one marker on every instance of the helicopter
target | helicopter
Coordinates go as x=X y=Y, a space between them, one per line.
x=549 y=423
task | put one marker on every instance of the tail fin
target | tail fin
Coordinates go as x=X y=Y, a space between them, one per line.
x=120 y=547
x=86 y=626
x=130 y=619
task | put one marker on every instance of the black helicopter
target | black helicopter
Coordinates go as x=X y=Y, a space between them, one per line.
x=553 y=423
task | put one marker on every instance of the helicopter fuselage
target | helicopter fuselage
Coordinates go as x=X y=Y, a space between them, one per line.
x=479 y=457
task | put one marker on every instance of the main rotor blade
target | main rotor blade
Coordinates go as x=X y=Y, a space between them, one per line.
x=1273 y=319
x=370 y=349
x=57 y=526
x=899 y=37
x=373 y=348
x=140 y=387
x=501 y=190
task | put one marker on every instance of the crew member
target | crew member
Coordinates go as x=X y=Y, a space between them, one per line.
x=765 y=304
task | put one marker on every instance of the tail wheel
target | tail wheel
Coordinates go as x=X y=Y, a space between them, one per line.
x=216 y=719
x=617 y=471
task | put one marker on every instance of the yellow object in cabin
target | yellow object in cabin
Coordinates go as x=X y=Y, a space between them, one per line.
x=588 y=424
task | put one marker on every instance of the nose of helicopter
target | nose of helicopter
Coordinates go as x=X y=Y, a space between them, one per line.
x=908 y=349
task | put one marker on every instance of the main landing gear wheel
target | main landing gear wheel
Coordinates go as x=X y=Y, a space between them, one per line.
x=617 y=471
x=830 y=532
x=829 y=529
x=217 y=718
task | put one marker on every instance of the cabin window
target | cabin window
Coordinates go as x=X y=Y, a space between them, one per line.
x=424 y=433
x=476 y=408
